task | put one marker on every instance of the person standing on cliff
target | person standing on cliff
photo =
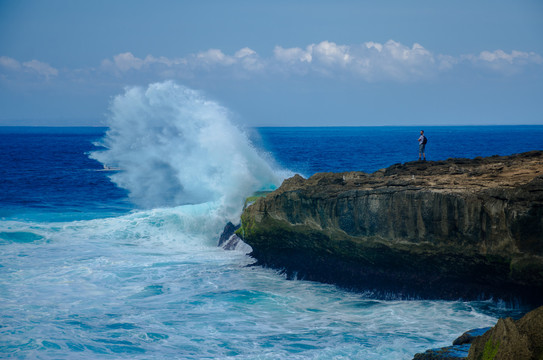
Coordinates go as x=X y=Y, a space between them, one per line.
x=422 y=145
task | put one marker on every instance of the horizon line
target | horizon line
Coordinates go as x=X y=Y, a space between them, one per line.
x=286 y=126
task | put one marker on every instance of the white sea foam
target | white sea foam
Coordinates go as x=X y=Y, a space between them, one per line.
x=152 y=284
x=183 y=228
x=176 y=147
x=145 y=286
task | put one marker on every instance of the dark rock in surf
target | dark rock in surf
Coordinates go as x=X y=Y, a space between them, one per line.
x=455 y=352
x=227 y=232
x=458 y=350
x=509 y=339
x=469 y=336
x=228 y=240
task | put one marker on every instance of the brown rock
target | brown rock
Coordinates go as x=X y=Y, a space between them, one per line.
x=532 y=326
x=511 y=340
x=450 y=229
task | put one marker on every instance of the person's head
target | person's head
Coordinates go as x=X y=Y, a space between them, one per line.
x=422 y=132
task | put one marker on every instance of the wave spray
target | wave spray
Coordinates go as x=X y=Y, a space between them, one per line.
x=175 y=147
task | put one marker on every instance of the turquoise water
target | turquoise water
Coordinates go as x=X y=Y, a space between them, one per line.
x=152 y=284
x=123 y=264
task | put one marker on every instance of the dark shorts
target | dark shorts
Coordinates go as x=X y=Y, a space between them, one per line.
x=421 y=148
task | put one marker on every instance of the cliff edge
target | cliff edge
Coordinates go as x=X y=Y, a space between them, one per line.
x=460 y=228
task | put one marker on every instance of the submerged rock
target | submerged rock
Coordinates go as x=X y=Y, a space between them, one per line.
x=450 y=229
x=455 y=352
x=469 y=336
x=458 y=350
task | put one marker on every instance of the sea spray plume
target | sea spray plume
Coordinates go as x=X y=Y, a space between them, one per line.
x=175 y=147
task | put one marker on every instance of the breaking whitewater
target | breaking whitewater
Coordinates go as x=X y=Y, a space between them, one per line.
x=129 y=267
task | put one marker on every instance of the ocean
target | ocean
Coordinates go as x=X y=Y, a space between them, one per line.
x=108 y=238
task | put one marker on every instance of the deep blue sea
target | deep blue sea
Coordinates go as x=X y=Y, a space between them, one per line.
x=122 y=263
x=310 y=150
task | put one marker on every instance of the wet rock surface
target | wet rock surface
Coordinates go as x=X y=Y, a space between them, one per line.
x=228 y=231
x=458 y=350
x=469 y=336
x=228 y=239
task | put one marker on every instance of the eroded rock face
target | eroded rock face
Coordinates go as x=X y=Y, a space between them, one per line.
x=510 y=339
x=451 y=229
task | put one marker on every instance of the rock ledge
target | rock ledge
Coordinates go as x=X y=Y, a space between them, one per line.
x=450 y=229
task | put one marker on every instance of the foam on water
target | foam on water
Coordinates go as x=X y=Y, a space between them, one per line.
x=152 y=284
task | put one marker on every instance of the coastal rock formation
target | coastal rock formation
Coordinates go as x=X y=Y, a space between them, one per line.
x=509 y=339
x=447 y=353
x=228 y=240
x=460 y=228
x=227 y=233
x=458 y=350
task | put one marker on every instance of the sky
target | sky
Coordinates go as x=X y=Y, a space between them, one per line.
x=278 y=63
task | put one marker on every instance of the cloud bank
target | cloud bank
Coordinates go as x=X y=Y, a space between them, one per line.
x=370 y=62
x=33 y=67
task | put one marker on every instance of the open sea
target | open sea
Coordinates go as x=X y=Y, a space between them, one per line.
x=121 y=261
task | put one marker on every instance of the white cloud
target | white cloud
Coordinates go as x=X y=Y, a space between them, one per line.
x=323 y=53
x=214 y=57
x=394 y=60
x=446 y=62
x=209 y=60
x=371 y=45
x=127 y=61
x=32 y=67
x=245 y=52
x=9 y=63
x=40 y=68
x=330 y=53
x=249 y=59
x=369 y=61
x=292 y=55
x=515 y=57
x=502 y=62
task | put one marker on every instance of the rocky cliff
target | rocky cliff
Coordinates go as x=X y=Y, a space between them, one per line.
x=509 y=339
x=460 y=228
